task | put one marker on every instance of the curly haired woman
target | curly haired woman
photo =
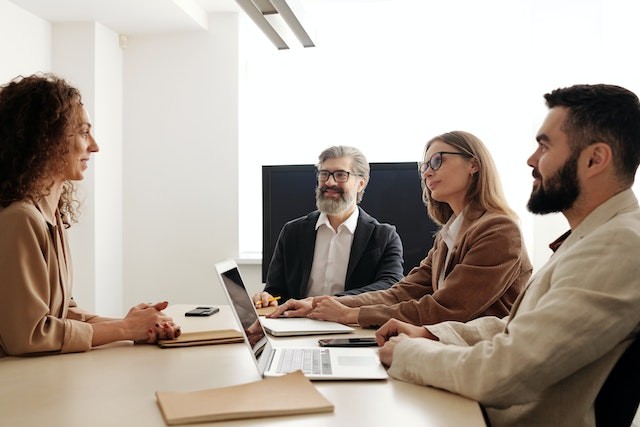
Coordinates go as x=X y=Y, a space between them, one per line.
x=45 y=145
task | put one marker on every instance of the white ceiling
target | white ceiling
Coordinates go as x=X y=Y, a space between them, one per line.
x=131 y=16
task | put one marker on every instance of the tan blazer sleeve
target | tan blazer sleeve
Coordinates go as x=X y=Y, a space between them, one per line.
x=414 y=285
x=488 y=268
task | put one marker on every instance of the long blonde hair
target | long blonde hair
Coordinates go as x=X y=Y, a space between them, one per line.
x=485 y=190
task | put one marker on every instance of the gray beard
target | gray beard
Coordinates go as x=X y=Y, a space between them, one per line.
x=333 y=206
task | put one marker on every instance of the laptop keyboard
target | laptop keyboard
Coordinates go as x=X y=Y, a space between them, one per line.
x=308 y=360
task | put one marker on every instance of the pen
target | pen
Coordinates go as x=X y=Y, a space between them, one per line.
x=259 y=303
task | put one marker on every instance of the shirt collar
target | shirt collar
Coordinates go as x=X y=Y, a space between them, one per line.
x=559 y=241
x=451 y=229
x=350 y=223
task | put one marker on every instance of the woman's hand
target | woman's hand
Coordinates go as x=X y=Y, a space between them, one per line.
x=162 y=331
x=147 y=323
x=328 y=308
x=293 y=308
x=143 y=323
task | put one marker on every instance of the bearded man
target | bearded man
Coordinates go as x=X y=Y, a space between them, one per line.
x=338 y=249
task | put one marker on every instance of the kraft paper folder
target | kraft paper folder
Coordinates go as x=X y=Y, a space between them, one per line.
x=222 y=336
x=265 y=311
x=290 y=394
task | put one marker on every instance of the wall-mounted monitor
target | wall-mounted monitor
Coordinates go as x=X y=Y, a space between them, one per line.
x=393 y=195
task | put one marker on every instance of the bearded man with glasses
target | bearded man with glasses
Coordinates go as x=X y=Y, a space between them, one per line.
x=338 y=249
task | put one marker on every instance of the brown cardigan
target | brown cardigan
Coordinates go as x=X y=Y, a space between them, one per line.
x=487 y=269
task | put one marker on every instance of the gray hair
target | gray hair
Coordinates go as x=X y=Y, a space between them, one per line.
x=360 y=164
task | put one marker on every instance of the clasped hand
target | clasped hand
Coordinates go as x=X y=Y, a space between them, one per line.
x=393 y=332
x=149 y=324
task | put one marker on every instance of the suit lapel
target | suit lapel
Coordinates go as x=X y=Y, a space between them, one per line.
x=361 y=237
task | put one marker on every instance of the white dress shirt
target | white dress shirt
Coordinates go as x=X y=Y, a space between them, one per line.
x=331 y=255
x=449 y=234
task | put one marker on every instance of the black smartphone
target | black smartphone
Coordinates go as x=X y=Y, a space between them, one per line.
x=202 y=311
x=348 y=342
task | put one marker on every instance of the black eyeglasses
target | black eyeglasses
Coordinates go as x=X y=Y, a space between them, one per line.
x=338 y=176
x=436 y=160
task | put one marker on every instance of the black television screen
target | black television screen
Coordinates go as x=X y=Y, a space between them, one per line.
x=393 y=195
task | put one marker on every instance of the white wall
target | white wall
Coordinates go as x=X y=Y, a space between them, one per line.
x=25 y=42
x=109 y=280
x=181 y=162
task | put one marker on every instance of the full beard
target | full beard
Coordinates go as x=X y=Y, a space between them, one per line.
x=560 y=191
x=331 y=206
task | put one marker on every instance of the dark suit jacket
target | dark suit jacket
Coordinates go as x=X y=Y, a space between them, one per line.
x=375 y=262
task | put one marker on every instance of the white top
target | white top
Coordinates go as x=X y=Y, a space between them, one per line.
x=449 y=234
x=331 y=255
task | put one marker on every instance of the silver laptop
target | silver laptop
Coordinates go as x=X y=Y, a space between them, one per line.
x=317 y=363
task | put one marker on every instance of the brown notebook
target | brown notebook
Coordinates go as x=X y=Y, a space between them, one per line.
x=290 y=394
x=265 y=311
x=222 y=336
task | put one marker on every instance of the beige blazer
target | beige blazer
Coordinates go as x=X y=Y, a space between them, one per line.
x=37 y=312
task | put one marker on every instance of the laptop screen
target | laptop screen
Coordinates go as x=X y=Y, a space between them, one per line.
x=244 y=309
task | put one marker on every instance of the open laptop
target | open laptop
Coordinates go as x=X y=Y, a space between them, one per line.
x=317 y=363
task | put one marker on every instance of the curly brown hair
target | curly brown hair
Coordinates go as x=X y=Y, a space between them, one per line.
x=35 y=115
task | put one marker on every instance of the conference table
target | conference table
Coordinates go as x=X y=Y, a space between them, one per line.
x=115 y=385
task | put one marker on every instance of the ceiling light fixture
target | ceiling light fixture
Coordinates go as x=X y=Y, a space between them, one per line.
x=266 y=13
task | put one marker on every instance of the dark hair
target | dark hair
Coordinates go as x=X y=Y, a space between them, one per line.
x=35 y=114
x=603 y=113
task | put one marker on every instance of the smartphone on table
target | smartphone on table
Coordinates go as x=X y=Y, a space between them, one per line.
x=202 y=311
x=348 y=342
